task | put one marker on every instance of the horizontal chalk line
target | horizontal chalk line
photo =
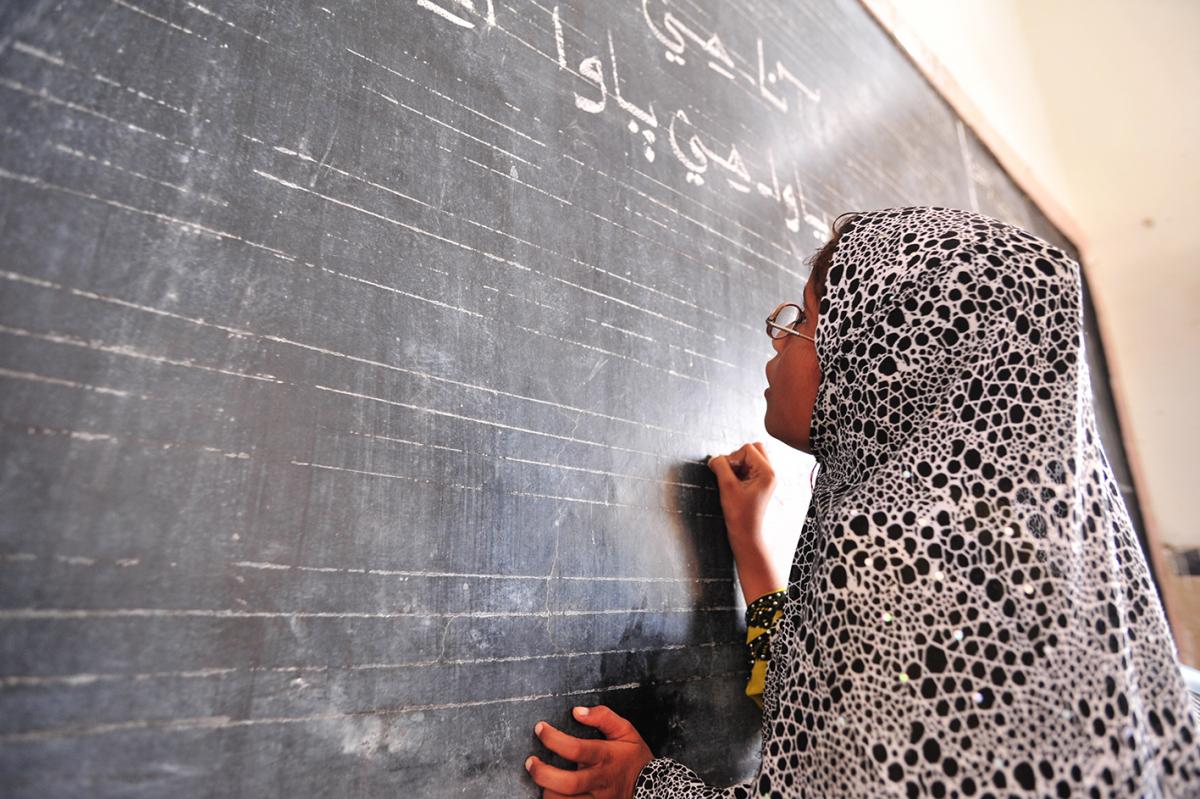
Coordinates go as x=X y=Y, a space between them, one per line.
x=106 y=163
x=446 y=97
x=486 y=254
x=410 y=442
x=707 y=228
x=548 y=464
x=225 y=722
x=375 y=215
x=4 y=274
x=448 y=126
x=156 y=18
x=531 y=494
x=108 y=438
x=191 y=227
x=592 y=267
x=382 y=474
x=61 y=338
x=70 y=614
x=593 y=348
x=58 y=338
x=73 y=560
x=58 y=381
x=605 y=473
x=42 y=94
x=209 y=13
x=35 y=52
x=80 y=680
x=488 y=422
x=93 y=436
x=592 y=213
x=272 y=566
x=203 y=229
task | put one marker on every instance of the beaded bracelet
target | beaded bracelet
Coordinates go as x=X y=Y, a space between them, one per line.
x=761 y=613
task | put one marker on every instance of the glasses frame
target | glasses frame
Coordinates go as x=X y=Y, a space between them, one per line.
x=789 y=330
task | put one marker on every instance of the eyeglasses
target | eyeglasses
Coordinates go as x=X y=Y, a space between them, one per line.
x=784 y=320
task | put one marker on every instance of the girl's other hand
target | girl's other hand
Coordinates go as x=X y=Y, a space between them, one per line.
x=746 y=480
x=607 y=769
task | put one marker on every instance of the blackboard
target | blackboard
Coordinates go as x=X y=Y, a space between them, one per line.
x=358 y=363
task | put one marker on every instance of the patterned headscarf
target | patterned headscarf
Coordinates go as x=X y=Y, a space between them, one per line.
x=968 y=608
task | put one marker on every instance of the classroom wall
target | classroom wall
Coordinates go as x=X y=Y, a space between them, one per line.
x=1095 y=97
x=1091 y=101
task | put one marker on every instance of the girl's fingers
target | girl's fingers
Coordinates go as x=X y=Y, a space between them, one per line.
x=564 y=782
x=744 y=463
x=736 y=461
x=578 y=750
x=603 y=719
x=721 y=468
x=738 y=456
x=758 y=458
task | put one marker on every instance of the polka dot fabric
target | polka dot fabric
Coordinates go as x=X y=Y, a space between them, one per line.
x=969 y=613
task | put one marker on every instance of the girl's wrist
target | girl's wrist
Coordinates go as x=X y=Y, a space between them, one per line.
x=757 y=573
x=749 y=534
x=749 y=545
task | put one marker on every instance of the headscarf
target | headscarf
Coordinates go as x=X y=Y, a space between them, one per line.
x=968 y=608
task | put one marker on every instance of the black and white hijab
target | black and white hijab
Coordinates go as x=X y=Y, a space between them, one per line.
x=969 y=612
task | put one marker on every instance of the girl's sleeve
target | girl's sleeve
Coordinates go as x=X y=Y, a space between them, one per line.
x=664 y=778
x=761 y=616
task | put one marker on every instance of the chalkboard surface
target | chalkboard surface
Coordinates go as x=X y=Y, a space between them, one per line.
x=358 y=363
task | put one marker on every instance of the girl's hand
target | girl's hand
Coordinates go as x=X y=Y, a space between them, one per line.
x=746 y=480
x=607 y=769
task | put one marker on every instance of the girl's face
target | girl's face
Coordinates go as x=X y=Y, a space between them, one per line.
x=793 y=377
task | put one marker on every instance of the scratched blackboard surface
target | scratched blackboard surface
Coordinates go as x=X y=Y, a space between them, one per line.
x=358 y=363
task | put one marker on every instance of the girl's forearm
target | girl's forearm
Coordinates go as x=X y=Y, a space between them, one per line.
x=756 y=571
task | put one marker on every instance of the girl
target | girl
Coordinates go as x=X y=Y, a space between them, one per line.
x=968 y=612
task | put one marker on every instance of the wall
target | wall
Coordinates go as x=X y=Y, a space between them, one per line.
x=1094 y=99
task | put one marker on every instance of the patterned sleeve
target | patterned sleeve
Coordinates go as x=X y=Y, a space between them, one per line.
x=761 y=617
x=664 y=778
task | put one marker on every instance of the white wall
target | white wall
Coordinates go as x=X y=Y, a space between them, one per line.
x=1098 y=97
